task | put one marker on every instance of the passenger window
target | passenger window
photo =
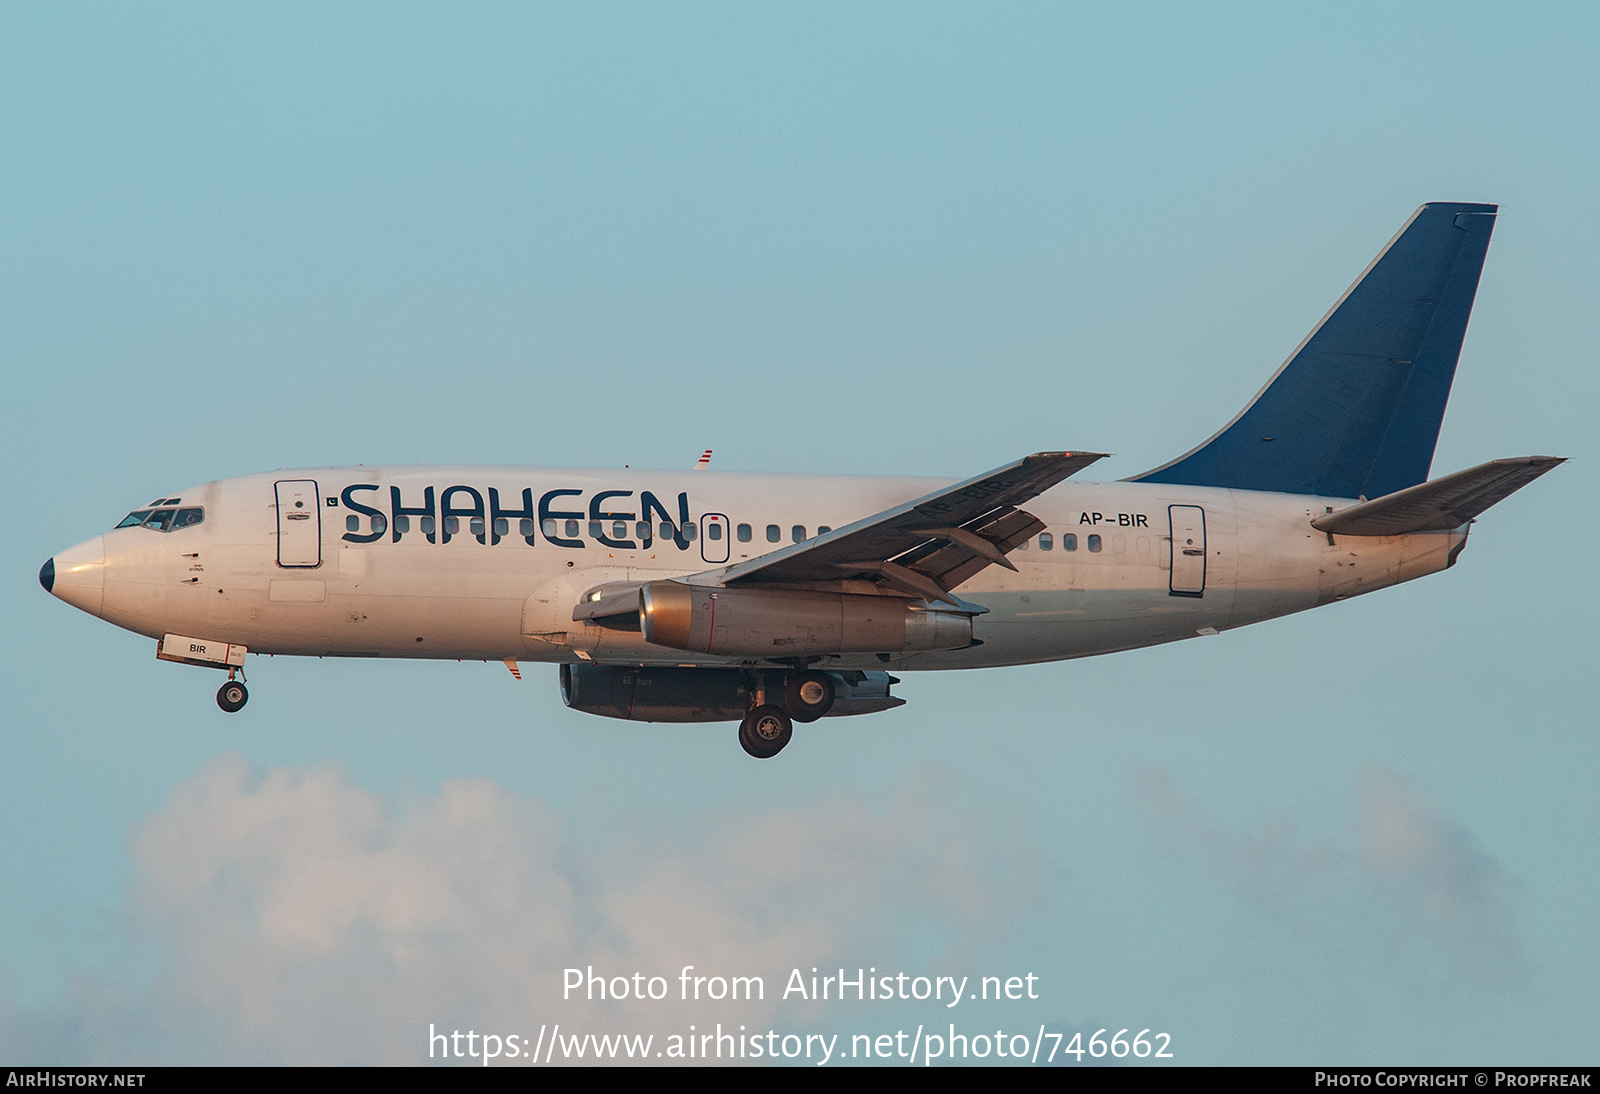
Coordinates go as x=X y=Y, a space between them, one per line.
x=1023 y=546
x=572 y=529
x=352 y=523
x=503 y=526
x=619 y=529
x=452 y=526
x=798 y=532
x=714 y=531
x=1045 y=542
x=548 y=527
x=426 y=524
x=527 y=527
x=1069 y=542
x=668 y=531
x=690 y=531
x=380 y=523
x=823 y=529
x=743 y=532
x=1094 y=544
x=402 y=524
x=642 y=529
x=594 y=530
x=476 y=525
x=774 y=534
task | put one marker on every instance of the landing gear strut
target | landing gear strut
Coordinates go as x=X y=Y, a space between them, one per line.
x=233 y=695
x=765 y=730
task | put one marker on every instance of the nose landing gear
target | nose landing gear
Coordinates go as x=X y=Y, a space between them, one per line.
x=211 y=653
x=233 y=695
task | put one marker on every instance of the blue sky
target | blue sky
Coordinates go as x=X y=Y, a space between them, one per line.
x=836 y=238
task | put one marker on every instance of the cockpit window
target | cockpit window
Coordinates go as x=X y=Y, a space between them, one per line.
x=163 y=520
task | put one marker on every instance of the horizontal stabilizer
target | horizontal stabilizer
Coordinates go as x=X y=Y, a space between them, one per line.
x=1440 y=505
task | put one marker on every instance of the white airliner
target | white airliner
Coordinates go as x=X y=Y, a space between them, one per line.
x=770 y=599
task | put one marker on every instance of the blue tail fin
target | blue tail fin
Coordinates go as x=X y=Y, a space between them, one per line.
x=1355 y=411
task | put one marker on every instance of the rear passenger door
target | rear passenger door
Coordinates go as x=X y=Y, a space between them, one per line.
x=1188 y=570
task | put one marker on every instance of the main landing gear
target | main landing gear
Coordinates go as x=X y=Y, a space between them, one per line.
x=768 y=727
x=808 y=695
x=233 y=695
x=765 y=730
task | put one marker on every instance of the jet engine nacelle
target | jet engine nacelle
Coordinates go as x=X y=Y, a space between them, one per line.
x=706 y=695
x=779 y=623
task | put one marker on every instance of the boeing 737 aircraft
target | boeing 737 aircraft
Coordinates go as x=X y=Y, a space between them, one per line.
x=702 y=596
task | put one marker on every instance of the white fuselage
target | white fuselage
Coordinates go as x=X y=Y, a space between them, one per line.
x=358 y=565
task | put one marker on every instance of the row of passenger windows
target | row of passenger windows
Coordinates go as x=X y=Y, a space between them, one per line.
x=570 y=529
x=797 y=533
x=1069 y=542
x=167 y=520
x=1094 y=543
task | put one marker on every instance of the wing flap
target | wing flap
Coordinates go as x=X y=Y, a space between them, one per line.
x=951 y=558
x=940 y=539
x=1440 y=505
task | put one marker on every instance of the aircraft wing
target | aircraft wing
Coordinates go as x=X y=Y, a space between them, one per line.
x=1440 y=505
x=928 y=546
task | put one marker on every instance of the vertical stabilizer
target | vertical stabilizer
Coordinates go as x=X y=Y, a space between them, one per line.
x=1355 y=410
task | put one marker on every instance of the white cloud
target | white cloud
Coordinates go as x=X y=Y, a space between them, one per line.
x=294 y=916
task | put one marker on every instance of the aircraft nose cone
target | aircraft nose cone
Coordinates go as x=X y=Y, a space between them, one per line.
x=78 y=575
